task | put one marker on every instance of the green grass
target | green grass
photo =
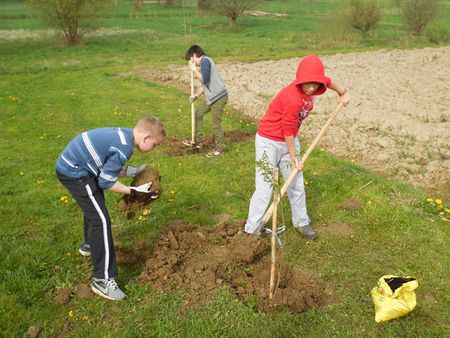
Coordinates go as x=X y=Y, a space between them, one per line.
x=48 y=94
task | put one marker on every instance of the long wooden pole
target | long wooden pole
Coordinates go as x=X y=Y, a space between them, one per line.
x=274 y=232
x=303 y=160
x=194 y=141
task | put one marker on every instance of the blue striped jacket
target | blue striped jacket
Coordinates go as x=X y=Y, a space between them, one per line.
x=98 y=152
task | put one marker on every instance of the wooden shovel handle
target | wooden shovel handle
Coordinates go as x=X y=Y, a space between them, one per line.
x=192 y=110
x=305 y=156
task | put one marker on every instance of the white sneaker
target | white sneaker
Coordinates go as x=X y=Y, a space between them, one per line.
x=107 y=288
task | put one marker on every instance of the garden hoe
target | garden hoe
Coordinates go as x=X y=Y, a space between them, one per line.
x=295 y=171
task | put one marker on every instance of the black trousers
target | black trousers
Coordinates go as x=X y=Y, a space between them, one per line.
x=97 y=223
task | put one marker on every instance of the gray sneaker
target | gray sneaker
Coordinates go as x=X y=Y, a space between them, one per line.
x=306 y=231
x=85 y=249
x=108 y=289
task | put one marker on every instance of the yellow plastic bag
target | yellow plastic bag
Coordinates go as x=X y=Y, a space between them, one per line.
x=394 y=297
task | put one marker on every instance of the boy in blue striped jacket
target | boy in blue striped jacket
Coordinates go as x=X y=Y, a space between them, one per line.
x=91 y=163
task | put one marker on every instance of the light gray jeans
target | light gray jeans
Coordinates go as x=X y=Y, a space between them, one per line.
x=275 y=154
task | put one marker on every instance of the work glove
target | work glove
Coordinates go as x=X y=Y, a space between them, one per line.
x=192 y=66
x=143 y=192
x=133 y=171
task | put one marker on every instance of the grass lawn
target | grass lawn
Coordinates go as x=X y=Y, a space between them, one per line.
x=49 y=94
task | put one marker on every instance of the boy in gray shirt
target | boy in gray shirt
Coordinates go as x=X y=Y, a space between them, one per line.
x=216 y=96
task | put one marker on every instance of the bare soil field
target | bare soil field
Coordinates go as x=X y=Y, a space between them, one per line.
x=398 y=122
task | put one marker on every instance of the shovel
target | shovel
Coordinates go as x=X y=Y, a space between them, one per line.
x=194 y=141
x=295 y=171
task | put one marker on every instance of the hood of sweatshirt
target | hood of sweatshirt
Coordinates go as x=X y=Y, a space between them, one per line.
x=311 y=69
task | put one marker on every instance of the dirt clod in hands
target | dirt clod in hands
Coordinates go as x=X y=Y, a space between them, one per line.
x=131 y=205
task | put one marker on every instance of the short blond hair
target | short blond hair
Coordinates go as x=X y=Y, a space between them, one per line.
x=151 y=124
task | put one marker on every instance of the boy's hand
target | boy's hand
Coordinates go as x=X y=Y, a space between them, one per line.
x=192 y=98
x=143 y=192
x=296 y=164
x=192 y=66
x=345 y=98
x=133 y=171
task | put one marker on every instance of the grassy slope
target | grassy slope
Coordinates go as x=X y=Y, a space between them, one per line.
x=49 y=94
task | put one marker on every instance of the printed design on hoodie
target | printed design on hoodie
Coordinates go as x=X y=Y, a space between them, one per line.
x=305 y=110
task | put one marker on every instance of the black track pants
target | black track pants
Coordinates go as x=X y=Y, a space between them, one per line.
x=97 y=224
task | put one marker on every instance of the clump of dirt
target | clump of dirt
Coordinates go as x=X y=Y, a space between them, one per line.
x=63 y=296
x=84 y=291
x=199 y=260
x=130 y=205
x=33 y=331
x=352 y=204
x=173 y=146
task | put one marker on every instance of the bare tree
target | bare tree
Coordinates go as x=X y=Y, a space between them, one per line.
x=363 y=15
x=419 y=13
x=73 y=17
x=235 y=8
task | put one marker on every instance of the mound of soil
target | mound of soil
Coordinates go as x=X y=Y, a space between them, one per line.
x=173 y=146
x=130 y=205
x=198 y=260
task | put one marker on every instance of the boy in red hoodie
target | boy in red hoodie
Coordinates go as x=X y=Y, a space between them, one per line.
x=277 y=144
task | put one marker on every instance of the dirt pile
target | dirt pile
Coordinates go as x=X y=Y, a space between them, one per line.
x=397 y=124
x=198 y=260
x=173 y=146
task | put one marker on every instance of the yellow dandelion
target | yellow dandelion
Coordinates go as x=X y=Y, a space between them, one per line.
x=447 y=211
x=71 y=313
x=444 y=219
x=353 y=161
x=21 y=173
x=306 y=182
x=85 y=317
x=441 y=213
x=429 y=200
x=322 y=149
x=369 y=202
x=170 y=199
x=438 y=201
x=172 y=192
x=141 y=218
x=68 y=254
x=146 y=212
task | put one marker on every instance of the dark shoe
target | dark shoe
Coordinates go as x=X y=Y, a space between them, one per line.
x=215 y=153
x=108 y=289
x=85 y=249
x=306 y=231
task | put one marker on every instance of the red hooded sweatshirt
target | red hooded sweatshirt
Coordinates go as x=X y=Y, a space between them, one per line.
x=291 y=106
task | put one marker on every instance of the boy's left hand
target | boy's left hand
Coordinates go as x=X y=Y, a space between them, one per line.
x=133 y=171
x=345 y=98
x=192 y=66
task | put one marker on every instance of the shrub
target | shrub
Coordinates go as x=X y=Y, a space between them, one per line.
x=417 y=14
x=438 y=32
x=73 y=17
x=363 y=15
x=205 y=5
x=234 y=8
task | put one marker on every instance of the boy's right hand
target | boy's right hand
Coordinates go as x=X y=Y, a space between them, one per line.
x=297 y=164
x=143 y=191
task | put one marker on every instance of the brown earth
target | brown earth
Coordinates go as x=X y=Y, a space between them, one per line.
x=397 y=124
x=197 y=261
x=173 y=146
